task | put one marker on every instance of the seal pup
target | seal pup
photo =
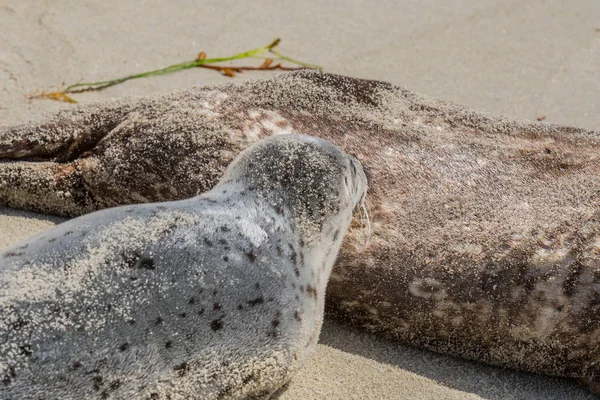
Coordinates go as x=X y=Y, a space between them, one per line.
x=485 y=230
x=218 y=296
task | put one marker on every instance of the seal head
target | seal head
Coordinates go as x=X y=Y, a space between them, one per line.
x=312 y=178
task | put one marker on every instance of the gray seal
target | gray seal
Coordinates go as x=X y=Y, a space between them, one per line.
x=217 y=296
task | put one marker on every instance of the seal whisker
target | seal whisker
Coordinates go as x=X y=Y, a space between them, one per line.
x=365 y=223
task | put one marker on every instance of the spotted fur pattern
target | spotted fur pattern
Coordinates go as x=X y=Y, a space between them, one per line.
x=219 y=296
x=485 y=230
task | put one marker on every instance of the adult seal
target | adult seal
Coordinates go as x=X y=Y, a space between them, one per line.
x=217 y=296
x=485 y=230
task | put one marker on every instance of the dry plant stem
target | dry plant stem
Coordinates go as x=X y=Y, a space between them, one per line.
x=173 y=68
x=230 y=70
x=200 y=61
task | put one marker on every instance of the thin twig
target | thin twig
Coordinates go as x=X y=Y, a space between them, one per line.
x=200 y=61
x=231 y=70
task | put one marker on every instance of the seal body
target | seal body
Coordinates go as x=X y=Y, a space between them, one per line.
x=218 y=296
x=485 y=230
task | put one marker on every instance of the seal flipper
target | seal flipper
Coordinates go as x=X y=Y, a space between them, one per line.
x=62 y=137
x=46 y=187
x=40 y=166
x=110 y=154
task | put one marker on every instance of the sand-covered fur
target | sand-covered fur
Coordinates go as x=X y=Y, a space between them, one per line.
x=219 y=296
x=485 y=237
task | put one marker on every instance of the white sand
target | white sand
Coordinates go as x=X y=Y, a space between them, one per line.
x=523 y=59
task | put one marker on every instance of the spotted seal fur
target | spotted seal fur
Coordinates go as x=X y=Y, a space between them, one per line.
x=485 y=230
x=219 y=296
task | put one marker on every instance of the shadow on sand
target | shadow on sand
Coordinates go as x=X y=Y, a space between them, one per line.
x=487 y=381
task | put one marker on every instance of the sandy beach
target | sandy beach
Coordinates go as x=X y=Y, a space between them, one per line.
x=522 y=59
